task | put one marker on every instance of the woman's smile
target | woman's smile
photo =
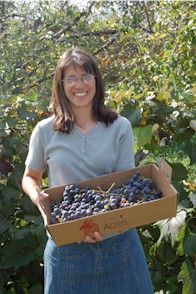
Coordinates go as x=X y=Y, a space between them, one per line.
x=80 y=94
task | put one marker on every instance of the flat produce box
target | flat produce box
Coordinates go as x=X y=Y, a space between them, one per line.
x=122 y=218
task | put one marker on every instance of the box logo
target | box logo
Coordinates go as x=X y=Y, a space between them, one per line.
x=113 y=223
x=89 y=227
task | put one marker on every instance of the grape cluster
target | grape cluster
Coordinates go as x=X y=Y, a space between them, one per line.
x=77 y=203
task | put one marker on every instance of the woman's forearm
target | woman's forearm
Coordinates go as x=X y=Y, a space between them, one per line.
x=31 y=186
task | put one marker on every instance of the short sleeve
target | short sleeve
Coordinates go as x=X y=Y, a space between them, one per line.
x=126 y=157
x=35 y=156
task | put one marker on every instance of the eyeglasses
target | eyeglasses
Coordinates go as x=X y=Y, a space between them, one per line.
x=72 y=81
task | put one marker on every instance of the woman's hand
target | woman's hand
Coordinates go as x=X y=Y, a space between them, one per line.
x=44 y=206
x=93 y=238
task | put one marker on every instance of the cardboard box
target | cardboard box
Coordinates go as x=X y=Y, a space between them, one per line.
x=122 y=218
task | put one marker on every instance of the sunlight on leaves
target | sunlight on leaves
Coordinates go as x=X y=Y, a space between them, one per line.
x=169 y=228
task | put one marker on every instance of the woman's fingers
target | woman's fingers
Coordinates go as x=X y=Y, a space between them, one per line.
x=44 y=206
x=93 y=238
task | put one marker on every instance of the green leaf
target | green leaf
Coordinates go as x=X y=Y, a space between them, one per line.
x=157 y=278
x=179 y=171
x=4 y=225
x=187 y=96
x=168 y=45
x=189 y=149
x=132 y=114
x=11 y=121
x=36 y=219
x=20 y=233
x=187 y=239
x=153 y=146
x=130 y=92
x=160 y=95
x=6 y=210
x=143 y=135
x=11 y=193
x=16 y=256
x=37 y=288
x=180 y=239
x=167 y=254
x=190 y=244
x=187 y=275
x=172 y=286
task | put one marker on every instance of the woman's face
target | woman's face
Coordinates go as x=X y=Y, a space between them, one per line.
x=79 y=87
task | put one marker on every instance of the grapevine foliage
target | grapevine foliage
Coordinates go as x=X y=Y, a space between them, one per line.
x=147 y=61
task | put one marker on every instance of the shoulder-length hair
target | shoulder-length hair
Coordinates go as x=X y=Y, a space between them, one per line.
x=63 y=115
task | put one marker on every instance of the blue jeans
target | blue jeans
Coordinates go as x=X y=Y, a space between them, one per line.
x=112 y=266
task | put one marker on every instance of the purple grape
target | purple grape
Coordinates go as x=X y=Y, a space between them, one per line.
x=76 y=203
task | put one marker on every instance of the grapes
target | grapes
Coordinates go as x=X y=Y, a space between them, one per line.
x=77 y=202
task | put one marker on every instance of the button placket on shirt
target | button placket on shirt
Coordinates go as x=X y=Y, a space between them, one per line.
x=83 y=145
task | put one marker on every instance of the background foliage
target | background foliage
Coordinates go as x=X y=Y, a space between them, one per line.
x=145 y=51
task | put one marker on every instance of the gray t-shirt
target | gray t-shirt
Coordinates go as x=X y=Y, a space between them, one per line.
x=77 y=156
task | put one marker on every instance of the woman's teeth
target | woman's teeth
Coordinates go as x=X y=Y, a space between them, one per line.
x=80 y=94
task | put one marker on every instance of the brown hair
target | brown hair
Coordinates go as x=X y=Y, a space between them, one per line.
x=64 y=117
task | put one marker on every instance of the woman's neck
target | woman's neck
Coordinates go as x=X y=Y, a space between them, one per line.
x=84 y=125
x=84 y=121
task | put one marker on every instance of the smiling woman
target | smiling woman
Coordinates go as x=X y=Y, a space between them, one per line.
x=84 y=139
x=80 y=89
x=68 y=101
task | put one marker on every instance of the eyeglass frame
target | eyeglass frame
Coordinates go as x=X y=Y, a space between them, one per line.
x=72 y=80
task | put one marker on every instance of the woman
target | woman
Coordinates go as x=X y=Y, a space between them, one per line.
x=84 y=139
